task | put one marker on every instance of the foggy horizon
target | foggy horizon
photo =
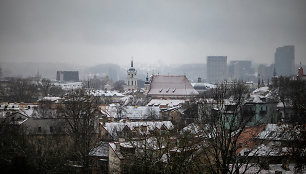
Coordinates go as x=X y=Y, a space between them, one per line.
x=152 y=32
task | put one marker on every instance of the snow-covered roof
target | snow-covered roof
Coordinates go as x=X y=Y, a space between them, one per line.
x=279 y=132
x=193 y=128
x=260 y=95
x=203 y=86
x=133 y=112
x=281 y=105
x=52 y=99
x=261 y=90
x=26 y=109
x=101 y=150
x=106 y=93
x=169 y=103
x=271 y=149
x=115 y=127
x=254 y=168
x=69 y=85
x=162 y=85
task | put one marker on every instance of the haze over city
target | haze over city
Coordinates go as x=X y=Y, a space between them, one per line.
x=152 y=32
x=152 y=86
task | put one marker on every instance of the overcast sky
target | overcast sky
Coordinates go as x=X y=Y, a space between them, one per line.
x=92 y=32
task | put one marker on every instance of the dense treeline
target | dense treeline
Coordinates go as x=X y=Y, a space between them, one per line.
x=27 y=90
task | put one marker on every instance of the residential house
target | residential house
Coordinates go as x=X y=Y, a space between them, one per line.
x=125 y=129
x=136 y=113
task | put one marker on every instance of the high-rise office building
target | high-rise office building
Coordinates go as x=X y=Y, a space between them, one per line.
x=241 y=70
x=216 y=68
x=284 y=61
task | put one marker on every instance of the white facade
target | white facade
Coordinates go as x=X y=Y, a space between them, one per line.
x=131 y=80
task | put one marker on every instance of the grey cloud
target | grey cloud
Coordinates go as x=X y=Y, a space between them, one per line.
x=179 y=31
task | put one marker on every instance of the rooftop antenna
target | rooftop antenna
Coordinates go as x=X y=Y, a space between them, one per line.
x=132 y=62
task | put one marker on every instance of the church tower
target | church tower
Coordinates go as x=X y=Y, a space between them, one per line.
x=131 y=81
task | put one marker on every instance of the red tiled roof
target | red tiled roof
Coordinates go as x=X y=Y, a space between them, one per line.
x=246 y=138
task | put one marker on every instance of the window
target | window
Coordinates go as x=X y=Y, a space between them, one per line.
x=132 y=75
x=132 y=83
x=51 y=129
x=39 y=129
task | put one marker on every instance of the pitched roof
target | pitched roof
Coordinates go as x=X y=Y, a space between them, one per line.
x=246 y=138
x=101 y=150
x=114 y=127
x=133 y=112
x=169 y=103
x=170 y=85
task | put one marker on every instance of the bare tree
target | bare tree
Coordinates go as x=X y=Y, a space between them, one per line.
x=151 y=114
x=221 y=129
x=45 y=86
x=211 y=146
x=80 y=111
x=56 y=91
x=293 y=93
x=24 y=151
x=118 y=85
x=162 y=152
x=22 y=90
x=120 y=110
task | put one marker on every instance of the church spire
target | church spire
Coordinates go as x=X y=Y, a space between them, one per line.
x=132 y=62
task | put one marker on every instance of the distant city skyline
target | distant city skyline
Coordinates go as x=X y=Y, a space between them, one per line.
x=152 y=32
